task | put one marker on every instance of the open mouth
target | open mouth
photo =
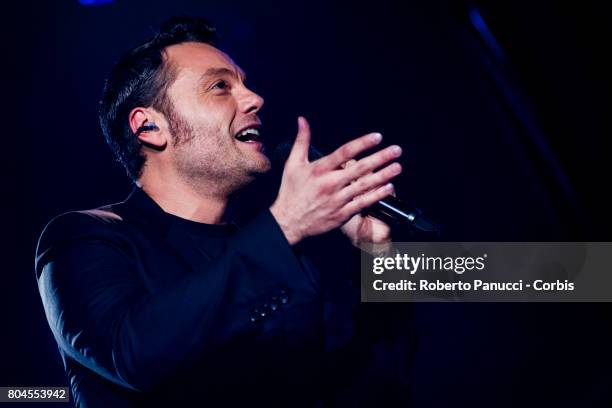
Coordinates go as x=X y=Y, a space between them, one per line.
x=249 y=135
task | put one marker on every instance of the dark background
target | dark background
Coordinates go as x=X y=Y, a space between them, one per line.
x=500 y=107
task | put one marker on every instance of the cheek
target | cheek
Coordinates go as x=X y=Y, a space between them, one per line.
x=219 y=116
x=212 y=120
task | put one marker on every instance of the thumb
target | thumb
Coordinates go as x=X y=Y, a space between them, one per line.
x=299 y=151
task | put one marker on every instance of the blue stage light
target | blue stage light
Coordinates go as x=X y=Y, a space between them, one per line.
x=94 y=2
x=481 y=26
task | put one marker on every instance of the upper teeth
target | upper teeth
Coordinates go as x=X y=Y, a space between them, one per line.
x=249 y=131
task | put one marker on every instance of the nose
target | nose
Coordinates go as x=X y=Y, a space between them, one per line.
x=250 y=101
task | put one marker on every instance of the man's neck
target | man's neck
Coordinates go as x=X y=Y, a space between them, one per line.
x=184 y=201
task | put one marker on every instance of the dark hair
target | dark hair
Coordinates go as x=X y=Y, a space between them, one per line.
x=141 y=78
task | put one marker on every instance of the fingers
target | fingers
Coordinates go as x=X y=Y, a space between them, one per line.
x=369 y=164
x=348 y=151
x=349 y=163
x=365 y=200
x=299 y=151
x=370 y=181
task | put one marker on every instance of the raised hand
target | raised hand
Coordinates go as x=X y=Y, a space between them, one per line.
x=316 y=197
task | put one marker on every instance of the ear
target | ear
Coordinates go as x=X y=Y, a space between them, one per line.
x=155 y=139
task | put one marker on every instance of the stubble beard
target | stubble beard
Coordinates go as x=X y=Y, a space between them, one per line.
x=206 y=160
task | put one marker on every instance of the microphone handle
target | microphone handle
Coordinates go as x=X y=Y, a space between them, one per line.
x=394 y=212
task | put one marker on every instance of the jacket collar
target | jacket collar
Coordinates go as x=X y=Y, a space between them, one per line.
x=139 y=208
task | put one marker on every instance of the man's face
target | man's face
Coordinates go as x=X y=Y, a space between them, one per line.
x=214 y=120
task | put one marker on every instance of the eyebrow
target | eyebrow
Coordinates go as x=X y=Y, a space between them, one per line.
x=212 y=72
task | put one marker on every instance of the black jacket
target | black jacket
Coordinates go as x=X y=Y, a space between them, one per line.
x=148 y=308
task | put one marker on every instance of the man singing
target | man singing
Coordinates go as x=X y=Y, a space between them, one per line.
x=163 y=300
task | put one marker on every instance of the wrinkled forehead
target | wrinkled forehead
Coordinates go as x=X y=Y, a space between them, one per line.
x=192 y=59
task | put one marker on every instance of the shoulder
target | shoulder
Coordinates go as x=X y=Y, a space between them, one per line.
x=99 y=223
x=75 y=223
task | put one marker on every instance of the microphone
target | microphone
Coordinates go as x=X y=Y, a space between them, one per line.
x=390 y=209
